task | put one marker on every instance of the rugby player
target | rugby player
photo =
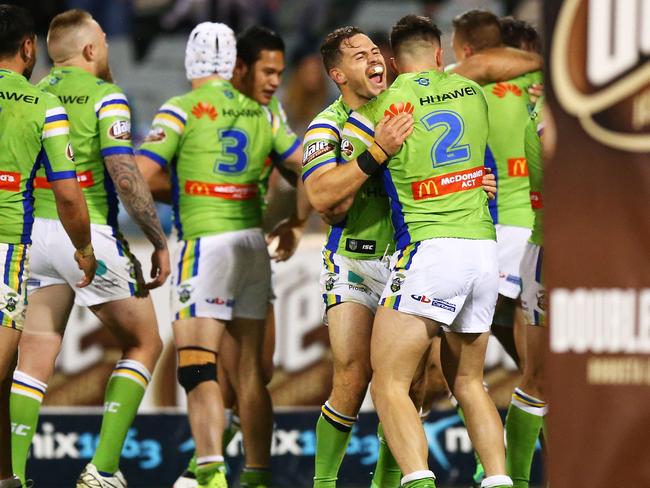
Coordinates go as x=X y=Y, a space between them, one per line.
x=258 y=74
x=100 y=132
x=35 y=132
x=222 y=271
x=444 y=270
x=509 y=104
x=528 y=406
x=352 y=279
x=520 y=34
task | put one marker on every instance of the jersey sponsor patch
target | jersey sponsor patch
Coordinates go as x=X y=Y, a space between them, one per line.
x=120 y=130
x=347 y=147
x=469 y=179
x=204 y=108
x=398 y=108
x=503 y=88
x=85 y=180
x=9 y=181
x=229 y=191
x=536 y=200
x=156 y=134
x=69 y=153
x=316 y=150
x=360 y=246
x=517 y=167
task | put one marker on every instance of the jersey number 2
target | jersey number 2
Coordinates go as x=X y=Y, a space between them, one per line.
x=234 y=158
x=446 y=149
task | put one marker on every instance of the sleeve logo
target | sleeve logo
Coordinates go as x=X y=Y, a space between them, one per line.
x=69 y=153
x=204 y=108
x=398 y=108
x=156 y=134
x=120 y=130
x=346 y=147
x=316 y=150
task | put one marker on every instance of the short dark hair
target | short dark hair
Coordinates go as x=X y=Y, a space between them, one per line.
x=254 y=40
x=478 y=28
x=330 y=49
x=519 y=33
x=16 y=24
x=413 y=28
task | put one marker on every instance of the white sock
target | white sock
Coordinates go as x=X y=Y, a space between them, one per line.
x=497 y=480
x=418 y=475
x=209 y=459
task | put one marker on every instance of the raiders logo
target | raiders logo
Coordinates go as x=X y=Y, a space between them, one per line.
x=120 y=130
x=346 y=147
x=156 y=134
x=601 y=69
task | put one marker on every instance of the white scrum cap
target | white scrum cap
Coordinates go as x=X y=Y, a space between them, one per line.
x=211 y=49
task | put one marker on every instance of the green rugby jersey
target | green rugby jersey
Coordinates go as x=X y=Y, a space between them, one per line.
x=509 y=110
x=435 y=181
x=533 y=148
x=100 y=126
x=216 y=142
x=366 y=232
x=34 y=132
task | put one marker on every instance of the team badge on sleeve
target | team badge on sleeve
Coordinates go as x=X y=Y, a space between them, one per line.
x=156 y=134
x=120 y=130
x=316 y=150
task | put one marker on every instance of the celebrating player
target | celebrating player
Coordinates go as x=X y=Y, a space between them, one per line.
x=257 y=74
x=35 y=133
x=528 y=406
x=508 y=103
x=217 y=140
x=100 y=132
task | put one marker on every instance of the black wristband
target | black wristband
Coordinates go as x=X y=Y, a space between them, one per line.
x=367 y=163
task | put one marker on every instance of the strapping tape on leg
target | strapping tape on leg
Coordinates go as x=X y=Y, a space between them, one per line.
x=195 y=366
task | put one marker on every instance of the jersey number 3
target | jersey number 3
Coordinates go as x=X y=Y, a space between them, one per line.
x=446 y=149
x=233 y=158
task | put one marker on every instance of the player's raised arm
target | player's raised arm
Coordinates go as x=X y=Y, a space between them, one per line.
x=329 y=185
x=498 y=64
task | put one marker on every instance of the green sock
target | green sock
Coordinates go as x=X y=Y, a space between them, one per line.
x=333 y=432
x=207 y=466
x=24 y=405
x=124 y=393
x=479 y=471
x=523 y=423
x=255 y=478
x=387 y=473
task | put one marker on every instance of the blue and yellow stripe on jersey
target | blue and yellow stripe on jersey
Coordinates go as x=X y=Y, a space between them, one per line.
x=529 y=404
x=321 y=129
x=328 y=262
x=360 y=127
x=172 y=117
x=13 y=259
x=56 y=123
x=188 y=267
x=113 y=105
x=337 y=420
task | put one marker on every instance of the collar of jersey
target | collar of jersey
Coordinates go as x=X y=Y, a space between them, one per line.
x=9 y=72
x=68 y=70
x=345 y=106
x=215 y=83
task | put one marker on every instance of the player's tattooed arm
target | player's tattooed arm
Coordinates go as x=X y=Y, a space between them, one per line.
x=498 y=64
x=136 y=197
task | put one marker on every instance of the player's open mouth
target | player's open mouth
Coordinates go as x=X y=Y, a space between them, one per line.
x=376 y=74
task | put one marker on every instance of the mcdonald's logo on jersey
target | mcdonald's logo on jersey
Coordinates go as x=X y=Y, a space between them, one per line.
x=445 y=184
x=425 y=189
x=517 y=167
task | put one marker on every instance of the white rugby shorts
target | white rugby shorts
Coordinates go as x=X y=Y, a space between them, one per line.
x=452 y=281
x=222 y=276
x=533 y=294
x=52 y=263
x=344 y=279
x=511 y=242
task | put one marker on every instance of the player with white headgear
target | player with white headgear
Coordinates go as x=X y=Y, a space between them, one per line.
x=214 y=142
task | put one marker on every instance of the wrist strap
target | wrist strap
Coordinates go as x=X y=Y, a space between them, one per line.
x=86 y=251
x=378 y=153
x=367 y=163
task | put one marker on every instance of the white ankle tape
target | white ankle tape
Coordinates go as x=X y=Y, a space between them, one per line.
x=497 y=480
x=418 y=475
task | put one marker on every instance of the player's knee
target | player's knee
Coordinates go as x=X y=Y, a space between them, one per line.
x=196 y=365
x=156 y=347
x=354 y=376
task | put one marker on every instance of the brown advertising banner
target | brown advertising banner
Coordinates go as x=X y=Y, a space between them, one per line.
x=597 y=269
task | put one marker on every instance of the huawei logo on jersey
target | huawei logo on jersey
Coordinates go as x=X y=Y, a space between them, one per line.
x=502 y=89
x=601 y=67
x=204 y=108
x=398 y=108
